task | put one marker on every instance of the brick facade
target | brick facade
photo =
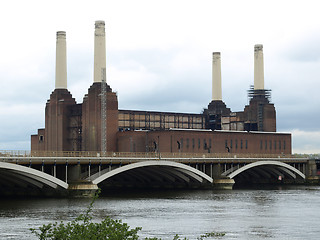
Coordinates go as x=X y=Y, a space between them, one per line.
x=57 y=117
x=91 y=119
x=197 y=141
x=77 y=127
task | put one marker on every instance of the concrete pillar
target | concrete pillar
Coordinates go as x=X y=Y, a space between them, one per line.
x=216 y=77
x=66 y=172
x=74 y=172
x=82 y=189
x=311 y=172
x=55 y=170
x=99 y=50
x=61 y=61
x=311 y=168
x=258 y=67
x=216 y=171
x=223 y=184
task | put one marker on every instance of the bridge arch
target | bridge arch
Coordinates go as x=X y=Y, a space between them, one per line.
x=273 y=167
x=158 y=170
x=17 y=175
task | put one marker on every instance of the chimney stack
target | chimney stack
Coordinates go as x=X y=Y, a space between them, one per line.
x=216 y=77
x=99 y=51
x=61 y=61
x=258 y=67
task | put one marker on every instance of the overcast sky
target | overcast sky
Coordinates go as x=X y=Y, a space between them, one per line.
x=159 y=56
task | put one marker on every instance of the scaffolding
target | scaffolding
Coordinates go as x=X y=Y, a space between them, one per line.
x=259 y=93
x=75 y=127
x=103 y=112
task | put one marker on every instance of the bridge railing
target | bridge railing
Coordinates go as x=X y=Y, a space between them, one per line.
x=222 y=155
x=16 y=153
x=156 y=155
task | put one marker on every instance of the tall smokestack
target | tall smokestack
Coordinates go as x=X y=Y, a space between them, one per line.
x=99 y=51
x=61 y=61
x=216 y=77
x=258 y=67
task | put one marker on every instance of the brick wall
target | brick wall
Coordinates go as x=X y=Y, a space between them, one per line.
x=185 y=141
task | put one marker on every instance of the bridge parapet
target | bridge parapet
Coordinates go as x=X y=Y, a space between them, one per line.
x=25 y=160
x=7 y=153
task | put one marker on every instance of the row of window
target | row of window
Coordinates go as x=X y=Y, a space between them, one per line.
x=276 y=145
x=162 y=117
x=157 y=124
x=230 y=144
x=207 y=144
x=243 y=144
x=194 y=143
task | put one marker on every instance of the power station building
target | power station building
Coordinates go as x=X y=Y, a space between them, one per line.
x=98 y=124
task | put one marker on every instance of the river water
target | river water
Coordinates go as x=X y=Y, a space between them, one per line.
x=290 y=213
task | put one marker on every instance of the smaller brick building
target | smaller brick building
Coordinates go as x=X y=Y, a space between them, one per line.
x=204 y=141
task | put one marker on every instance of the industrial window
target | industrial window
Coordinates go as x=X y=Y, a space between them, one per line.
x=284 y=145
x=181 y=142
x=209 y=142
x=226 y=143
x=193 y=143
x=261 y=144
x=275 y=145
x=179 y=145
x=246 y=144
x=270 y=145
x=236 y=142
x=241 y=144
x=205 y=146
x=187 y=142
x=279 y=144
x=199 y=143
x=41 y=138
x=231 y=143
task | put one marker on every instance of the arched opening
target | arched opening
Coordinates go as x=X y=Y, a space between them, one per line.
x=153 y=174
x=266 y=174
x=18 y=180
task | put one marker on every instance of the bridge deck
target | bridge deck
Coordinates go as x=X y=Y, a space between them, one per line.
x=138 y=154
x=127 y=160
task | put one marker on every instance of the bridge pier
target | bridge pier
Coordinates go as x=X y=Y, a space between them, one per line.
x=311 y=173
x=77 y=187
x=223 y=184
x=82 y=189
x=216 y=171
x=74 y=172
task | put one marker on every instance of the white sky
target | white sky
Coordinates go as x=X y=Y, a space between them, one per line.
x=159 y=58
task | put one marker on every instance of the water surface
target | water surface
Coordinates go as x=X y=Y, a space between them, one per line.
x=291 y=213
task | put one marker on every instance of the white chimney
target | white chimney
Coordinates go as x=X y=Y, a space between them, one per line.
x=61 y=61
x=99 y=51
x=216 y=77
x=258 y=67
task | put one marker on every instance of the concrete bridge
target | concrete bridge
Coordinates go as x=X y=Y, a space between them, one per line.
x=76 y=173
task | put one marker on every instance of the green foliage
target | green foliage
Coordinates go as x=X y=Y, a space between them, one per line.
x=82 y=228
x=78 y=230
